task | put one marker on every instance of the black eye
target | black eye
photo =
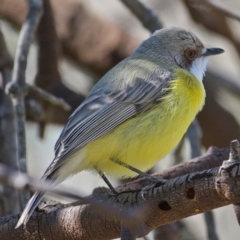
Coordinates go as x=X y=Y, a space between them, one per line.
x=191 y=54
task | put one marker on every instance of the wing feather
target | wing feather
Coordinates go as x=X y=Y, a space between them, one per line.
x=103 y=111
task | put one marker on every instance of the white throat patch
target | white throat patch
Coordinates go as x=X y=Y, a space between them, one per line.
x=198 y=67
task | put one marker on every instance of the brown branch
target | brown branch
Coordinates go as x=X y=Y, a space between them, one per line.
x=48 y=76
x=49 y=98
x=212 y=159
x=224 y=8
x=179 y=198
x=21 y=181
x=42 y=95
x=146 y=16
x=48 y=50
x=85 y=48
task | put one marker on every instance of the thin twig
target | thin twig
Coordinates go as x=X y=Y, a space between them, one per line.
x=179 y=152
x=224 y=8
x=18 y=79
x=40 y=93
x=145 y=15
x=22 y=181
x=48 y=97
x=211 y=226
x=194 y=134
x=8 y=145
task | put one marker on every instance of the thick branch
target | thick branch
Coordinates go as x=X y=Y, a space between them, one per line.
x=213 y=158
x=73 y=222
x=178 y=198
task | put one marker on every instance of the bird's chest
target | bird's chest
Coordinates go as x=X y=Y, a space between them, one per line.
x=178 y=108
x=156 y=132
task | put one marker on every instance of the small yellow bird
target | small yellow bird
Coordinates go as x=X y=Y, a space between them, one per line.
x=136 y=114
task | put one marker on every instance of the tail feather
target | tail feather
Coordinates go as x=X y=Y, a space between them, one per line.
x=51 y=178
x=29 y=209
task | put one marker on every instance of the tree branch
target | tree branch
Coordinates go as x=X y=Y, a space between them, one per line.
x=8 y=145
x=51 y=99
x=224 y=8
x=18 y=80
x=145 y=15
x=180 y=197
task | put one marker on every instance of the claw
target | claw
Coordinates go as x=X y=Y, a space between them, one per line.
x=157 y=183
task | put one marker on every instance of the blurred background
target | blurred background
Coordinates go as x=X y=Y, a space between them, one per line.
x=88 y=37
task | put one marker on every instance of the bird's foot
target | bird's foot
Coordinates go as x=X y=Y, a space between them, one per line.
x=157 y=182
x=113 y=192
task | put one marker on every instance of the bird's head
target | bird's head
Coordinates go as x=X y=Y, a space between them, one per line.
x=177 y=47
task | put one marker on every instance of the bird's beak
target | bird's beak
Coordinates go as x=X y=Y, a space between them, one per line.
x=212 y=51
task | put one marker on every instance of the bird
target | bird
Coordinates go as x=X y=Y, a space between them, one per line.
x=135 y=114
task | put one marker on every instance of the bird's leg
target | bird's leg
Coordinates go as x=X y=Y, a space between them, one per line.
x=148 y=176
x=157 y=181
x=107 y=182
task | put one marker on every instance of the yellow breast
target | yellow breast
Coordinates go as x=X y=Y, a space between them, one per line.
x=147 y=138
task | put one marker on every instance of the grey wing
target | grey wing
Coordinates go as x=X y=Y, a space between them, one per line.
x=101 y=112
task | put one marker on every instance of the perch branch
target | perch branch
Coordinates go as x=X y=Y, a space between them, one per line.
x=178 y=198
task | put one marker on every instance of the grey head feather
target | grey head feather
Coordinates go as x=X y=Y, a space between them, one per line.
x=169 y=45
